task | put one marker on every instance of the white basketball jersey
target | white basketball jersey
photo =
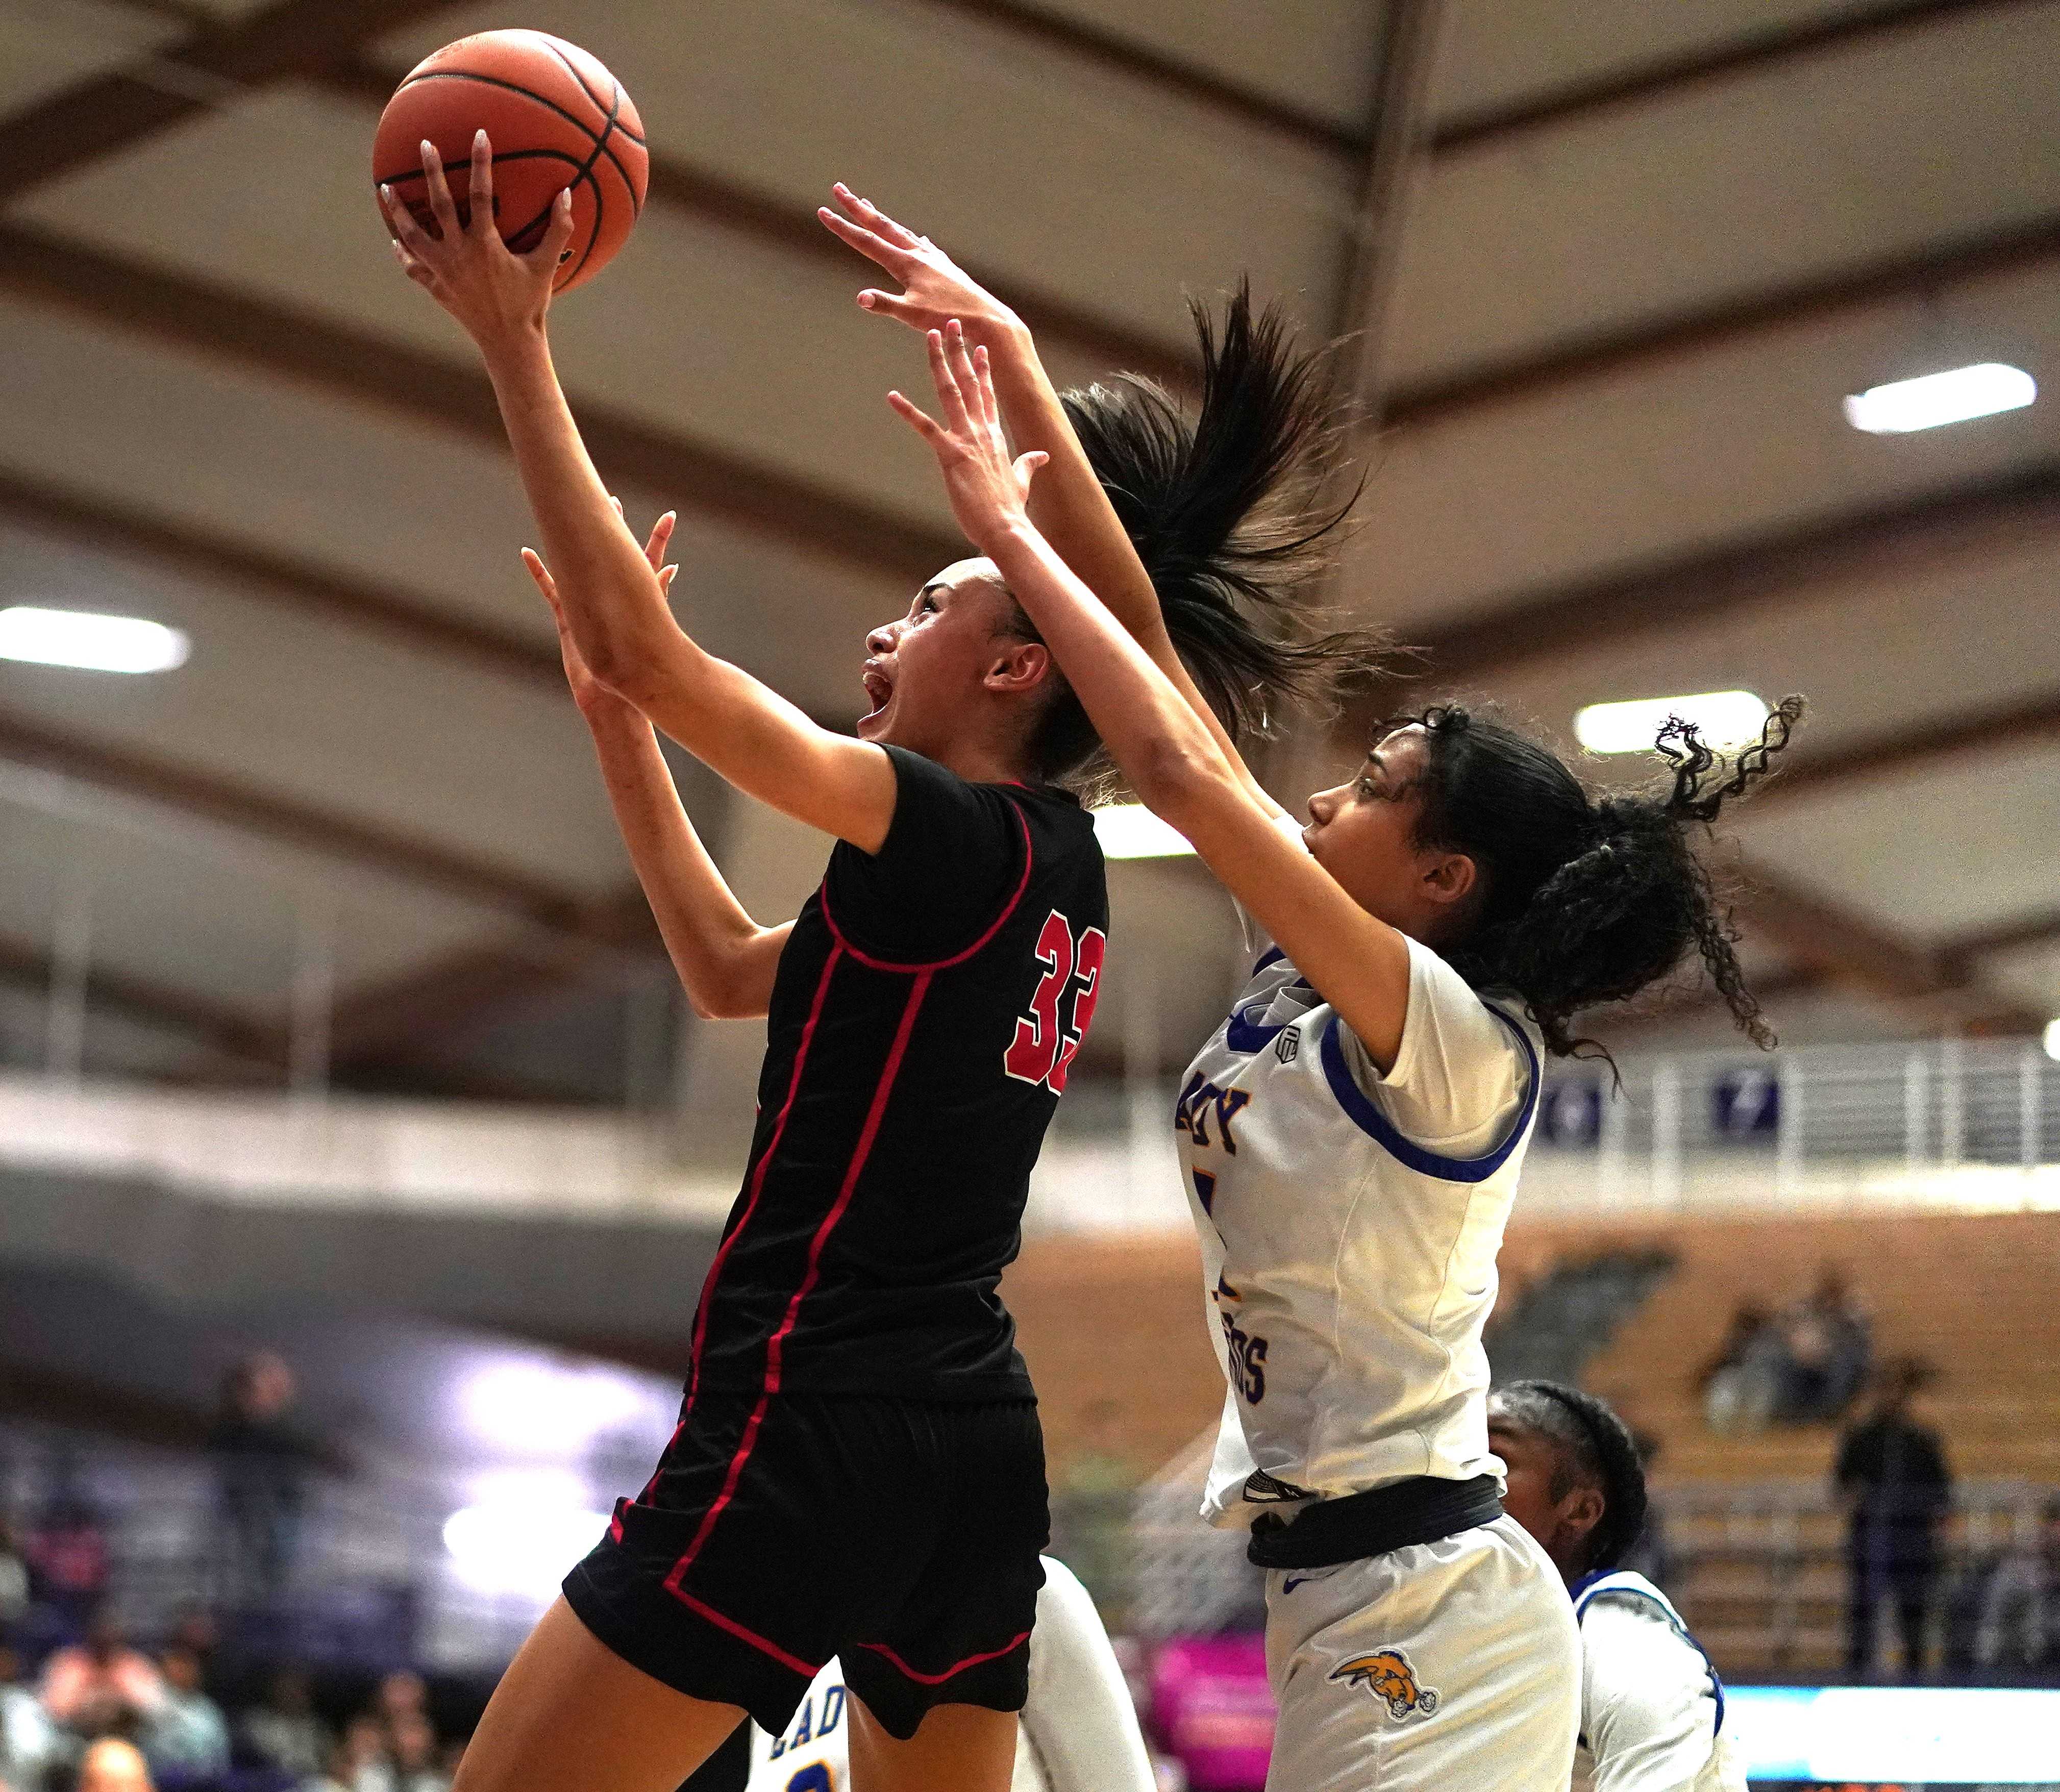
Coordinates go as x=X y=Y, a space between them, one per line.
x=1349 y=1265
x=1652 y=1707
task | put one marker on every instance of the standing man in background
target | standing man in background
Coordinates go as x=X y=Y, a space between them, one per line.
x=1892 y=1479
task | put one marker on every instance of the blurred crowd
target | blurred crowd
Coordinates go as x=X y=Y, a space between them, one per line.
x=1803 y=1362
x=85 y=1706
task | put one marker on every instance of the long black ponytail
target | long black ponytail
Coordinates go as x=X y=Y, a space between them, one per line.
x=1226 y=510
x=1589 y=899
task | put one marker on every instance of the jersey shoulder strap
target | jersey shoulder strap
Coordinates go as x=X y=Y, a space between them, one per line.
x=1625 y=1582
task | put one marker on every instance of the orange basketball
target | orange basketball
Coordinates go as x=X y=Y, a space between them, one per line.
x=556 y=118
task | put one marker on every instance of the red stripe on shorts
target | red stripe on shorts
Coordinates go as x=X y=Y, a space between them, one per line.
x=959 y=1667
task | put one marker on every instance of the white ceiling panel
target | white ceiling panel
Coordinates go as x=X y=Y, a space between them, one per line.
x=1931 y=853
x=1496 y=53
x=1975 y=634
x=1021 y=158
x=1808 y=164
x=46 y=45
x=1668 y=456
x=336 y=716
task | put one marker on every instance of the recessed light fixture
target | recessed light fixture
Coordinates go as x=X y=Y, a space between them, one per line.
x=89 y=641
x=2053 y=1038
x=1723 y=718
x=1952 y=396
x=1130 y=831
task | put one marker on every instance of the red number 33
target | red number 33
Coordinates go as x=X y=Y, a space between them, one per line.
x=1042 y=1051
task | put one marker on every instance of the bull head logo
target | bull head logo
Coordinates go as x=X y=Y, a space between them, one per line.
x=1386 y=1674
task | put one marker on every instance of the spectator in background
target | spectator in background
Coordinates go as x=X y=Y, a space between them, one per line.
x=360 y=1763
x=101 y=1686
x=1892 y=1479
x=1740 y=1383
x=113 y=1766
x=13 y=1578
x=30 y=1744
x=413 y=1740
x=283 y=1731
x=66 y=1552
x=2020 y=1622
x=1828 y=1343
x=185 y=1739
x=262 y=1460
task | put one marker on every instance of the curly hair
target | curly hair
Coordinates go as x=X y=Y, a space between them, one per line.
x=1595 y=1450
x=1588 y=899
x=1225 y=508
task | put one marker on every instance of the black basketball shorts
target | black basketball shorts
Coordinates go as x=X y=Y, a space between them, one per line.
x=900 y=1536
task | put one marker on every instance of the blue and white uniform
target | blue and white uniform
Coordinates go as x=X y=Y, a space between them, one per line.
x=1349 y=1224
x=1652 y=1707
x=1079 y=1732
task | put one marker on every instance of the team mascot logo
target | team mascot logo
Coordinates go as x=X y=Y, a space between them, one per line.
x=1386 y=1674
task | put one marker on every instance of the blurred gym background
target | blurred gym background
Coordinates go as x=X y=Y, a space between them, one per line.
x=359 y=1159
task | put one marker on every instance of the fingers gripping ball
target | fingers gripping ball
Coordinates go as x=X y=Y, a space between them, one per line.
x=556 y=118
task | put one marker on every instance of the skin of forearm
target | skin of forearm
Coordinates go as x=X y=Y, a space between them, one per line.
x=613 y=604
x=708 y=934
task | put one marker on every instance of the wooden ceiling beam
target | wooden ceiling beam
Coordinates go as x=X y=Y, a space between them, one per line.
x=361 y=368
x=409 y=858
x=796 y=231
x=1918 y=745
x=104 y=524
x=1170 y=75
x=213 y=65
x=1666 y=76
x=2038 y=927
x=1889 y=541
x=1408 y=41
x=1919 y=273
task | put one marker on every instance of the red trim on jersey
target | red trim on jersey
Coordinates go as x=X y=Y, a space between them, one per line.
x=959 y=1667
x=730 y=1624
x=872 y=963
x=722 y=1252
x=776 y=1343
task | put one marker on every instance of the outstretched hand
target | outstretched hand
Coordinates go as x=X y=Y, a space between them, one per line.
x=987 y=486
x=938 y=289
x=465 y=267
x=588 y=693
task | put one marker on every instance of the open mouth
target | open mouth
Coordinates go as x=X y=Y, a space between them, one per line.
x=879 y=688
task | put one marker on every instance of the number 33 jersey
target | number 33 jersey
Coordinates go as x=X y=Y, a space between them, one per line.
x=1349 y=1224
x=925 y=1016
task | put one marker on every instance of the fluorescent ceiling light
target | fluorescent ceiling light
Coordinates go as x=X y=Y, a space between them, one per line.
x=1725 y=718
x=2053 y=1039
x=1952 y=396
x=90 y=642
x=1130 y=831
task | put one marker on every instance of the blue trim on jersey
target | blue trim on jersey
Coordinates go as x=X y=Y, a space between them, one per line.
x=1246 y=1037
x=1586 y=1590
x=1361 y=1109
x=1272 y=956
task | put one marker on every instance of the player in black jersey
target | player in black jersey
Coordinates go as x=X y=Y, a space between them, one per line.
x=857 y=1468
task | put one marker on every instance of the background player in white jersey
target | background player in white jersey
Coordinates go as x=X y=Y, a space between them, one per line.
x=1354 y=1134
x=1078 y=1731
x=1652 y=1707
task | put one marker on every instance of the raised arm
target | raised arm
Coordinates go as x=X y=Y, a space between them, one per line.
x=614 y=610
x=1172 y=761
x=1067 y=502
x=726 y=960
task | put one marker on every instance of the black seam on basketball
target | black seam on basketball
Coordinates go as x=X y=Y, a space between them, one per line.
x=585 y=129
x=572 y=68
x=585 y=172
x=499 y=156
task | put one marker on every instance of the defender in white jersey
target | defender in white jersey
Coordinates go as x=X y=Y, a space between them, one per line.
x=1652 y=1704
x=1078 y=1731
x=1362 y=1120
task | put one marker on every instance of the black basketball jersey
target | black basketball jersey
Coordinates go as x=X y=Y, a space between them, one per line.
x=927 y=1009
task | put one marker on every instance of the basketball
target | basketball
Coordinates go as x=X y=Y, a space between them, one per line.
x=556 y=119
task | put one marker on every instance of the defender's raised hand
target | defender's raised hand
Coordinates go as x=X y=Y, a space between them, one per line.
x=938 y=289
x=466 y=268
x=986 y=484
x=588 y=693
